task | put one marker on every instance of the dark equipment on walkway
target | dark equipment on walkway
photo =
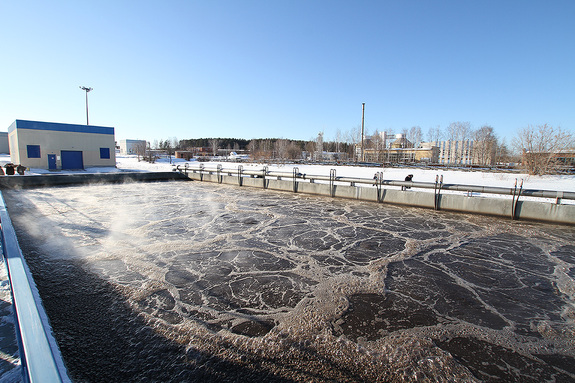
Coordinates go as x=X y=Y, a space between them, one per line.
x=10 y=169
x=408 y=179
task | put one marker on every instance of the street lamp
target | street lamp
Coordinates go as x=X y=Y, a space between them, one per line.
x=362 y=133
x=87 y=90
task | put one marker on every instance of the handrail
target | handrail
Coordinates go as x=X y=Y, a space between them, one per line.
x=422 y=185
x=41 y=360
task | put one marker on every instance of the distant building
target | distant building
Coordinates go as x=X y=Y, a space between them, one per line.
x=455 y=152
x=401 y=150
x=195 y=152
x=55 y=146
x=133 y=147
x=402 y=155
x=565 y=157
x=4 y=144
x=185 y=154
x=334 y=156
x=401 y=142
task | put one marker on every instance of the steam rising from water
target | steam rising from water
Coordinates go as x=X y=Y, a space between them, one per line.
x=303 y=288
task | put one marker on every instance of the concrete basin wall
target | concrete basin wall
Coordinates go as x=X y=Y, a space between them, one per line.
x=11 y=182
x=502 y=207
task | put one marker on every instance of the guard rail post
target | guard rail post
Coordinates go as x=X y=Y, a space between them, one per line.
x=295 y=172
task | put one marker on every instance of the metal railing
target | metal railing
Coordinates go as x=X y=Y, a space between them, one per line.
x=40 y=357
x=378 y=181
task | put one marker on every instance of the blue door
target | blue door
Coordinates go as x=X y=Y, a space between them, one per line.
x=72 y=159
x=52 y=162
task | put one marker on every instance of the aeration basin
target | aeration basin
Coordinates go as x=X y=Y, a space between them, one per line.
x=190 y=281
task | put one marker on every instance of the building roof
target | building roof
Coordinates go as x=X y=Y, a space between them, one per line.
x=59 y=127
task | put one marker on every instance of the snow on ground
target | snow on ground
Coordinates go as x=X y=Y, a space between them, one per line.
x=478 y=178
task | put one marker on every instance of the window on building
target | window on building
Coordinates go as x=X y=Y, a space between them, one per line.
x=33 y=151
x=105 y=153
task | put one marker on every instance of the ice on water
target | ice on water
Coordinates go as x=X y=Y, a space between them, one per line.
x=303 y=288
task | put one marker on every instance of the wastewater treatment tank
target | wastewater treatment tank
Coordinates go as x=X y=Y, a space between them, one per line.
x=183 y=281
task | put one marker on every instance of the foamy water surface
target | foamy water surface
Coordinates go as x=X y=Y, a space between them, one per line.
x=184 y=281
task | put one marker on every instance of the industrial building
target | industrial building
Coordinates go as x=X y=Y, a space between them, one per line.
x=4 y=147
x=133 y=147
x=57 y=146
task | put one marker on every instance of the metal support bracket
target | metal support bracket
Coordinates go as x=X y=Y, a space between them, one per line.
x=219 y=173
x=332 y=175
x=295 y=173
x=516 y=194
x=378 y=185
x=240 y=171
x=437 y=190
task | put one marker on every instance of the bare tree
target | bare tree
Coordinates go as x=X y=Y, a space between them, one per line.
x=253 y=149
x=293 y=151
x=215 y=144
x=434 y=134
x=175 y=143
x=169 y=149
x=281 y=148
x=539 y=146
x=484 y=145
x=459 y=134
x=337 y=139
x=502 y=153
x=405 y=132
x=151 y=158
x=310 y=149
x=319 y=146
x=415 y=136
x=140 y=149
x=353 y=138
x=377 y=143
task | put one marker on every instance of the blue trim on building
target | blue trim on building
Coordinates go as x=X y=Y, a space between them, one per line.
x=55 y=126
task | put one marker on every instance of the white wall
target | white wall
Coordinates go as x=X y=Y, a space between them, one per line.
x=4 y=145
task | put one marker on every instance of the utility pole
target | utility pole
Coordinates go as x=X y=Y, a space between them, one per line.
x=87 y=90
x=362 y=131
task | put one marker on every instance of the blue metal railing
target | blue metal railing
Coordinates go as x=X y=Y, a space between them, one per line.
x=40 y=357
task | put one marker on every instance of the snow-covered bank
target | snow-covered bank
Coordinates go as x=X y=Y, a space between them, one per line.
x=479 y=178
x=483 y=178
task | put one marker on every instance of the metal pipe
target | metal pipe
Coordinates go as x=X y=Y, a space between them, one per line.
x=422 y=185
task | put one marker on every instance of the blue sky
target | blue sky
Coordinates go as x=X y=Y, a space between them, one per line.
x=288 y=69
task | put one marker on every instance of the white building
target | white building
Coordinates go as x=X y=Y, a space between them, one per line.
x=455 y=152
x=55 y=146
x=132 y=146
x=4 y=147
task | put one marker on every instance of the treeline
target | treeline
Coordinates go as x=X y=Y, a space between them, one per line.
x=222 y=143
x=265 y=148
x=539 y=148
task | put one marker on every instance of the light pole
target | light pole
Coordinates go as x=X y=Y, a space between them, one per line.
x=362 y=132
x=87 y=90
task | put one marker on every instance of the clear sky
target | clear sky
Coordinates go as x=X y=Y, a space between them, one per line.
x=288 y=69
